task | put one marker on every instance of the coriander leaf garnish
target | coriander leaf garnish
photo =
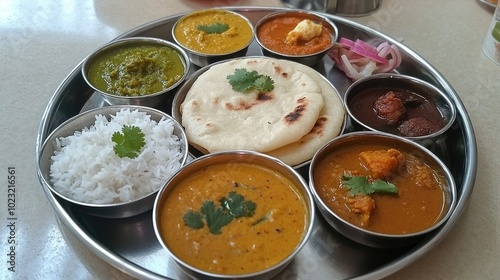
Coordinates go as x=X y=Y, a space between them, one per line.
x=243 y=80
x=128 y=143
x=216 y=28
x=238 y=206
x=383 y=187
x=193 y=219
x=216 y=217
x=361 y=185
x=263 y=84
x=232 y=207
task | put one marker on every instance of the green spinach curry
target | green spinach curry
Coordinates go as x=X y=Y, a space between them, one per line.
x=137 y=70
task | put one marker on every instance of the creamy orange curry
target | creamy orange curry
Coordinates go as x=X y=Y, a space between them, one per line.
x=274 y=33
x=416 y=203
x=233 y=218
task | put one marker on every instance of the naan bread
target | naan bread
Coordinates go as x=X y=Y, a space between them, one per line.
x=218 y=118
x=329 y=125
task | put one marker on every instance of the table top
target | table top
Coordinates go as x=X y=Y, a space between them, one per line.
x=41 y=42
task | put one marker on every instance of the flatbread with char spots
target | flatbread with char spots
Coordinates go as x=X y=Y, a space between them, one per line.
x=328 y=125
x=218 y=118
x=292 y=122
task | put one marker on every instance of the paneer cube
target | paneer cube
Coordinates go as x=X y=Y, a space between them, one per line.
x=306 y=30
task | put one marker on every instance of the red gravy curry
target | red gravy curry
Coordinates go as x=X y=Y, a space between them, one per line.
x=397 y=111
x=270 y=224
x=273 y=33
x=419 y=201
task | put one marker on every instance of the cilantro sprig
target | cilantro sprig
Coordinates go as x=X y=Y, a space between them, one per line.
x=361 y=185
x=237 y=205
x=216 y=28
x=242 y=80
x=216 y=218
x=232 y=207
x=129 y=142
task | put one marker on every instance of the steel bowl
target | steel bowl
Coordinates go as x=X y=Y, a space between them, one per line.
x=352 y=7
x=362 y=235
x=236 y=156
x=202 y=59
x=86 y=119
x=308 y=59
x=338 y=7
x=404 y=83
x=151 y=100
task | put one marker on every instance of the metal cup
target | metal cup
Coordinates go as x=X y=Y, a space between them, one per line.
x=340 y=7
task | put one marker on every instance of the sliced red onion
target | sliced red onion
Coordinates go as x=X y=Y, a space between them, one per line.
x=359 y=59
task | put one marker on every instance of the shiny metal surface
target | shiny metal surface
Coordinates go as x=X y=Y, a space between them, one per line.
x=311 y=59
x=86 y=119
x=355 y=7
x=129 y=244
x=239 y=157
x=488 y=3
x=362 y=235
x=151 y=100
x=338 y=7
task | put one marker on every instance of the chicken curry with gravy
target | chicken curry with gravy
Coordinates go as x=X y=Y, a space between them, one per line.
x=381 y=189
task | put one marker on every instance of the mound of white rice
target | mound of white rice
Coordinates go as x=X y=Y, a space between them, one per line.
x=85 y=167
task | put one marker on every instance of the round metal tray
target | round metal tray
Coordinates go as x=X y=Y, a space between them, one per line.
x=488 y=3
x=131 y=246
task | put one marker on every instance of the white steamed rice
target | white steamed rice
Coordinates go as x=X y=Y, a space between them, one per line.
x=85 y=168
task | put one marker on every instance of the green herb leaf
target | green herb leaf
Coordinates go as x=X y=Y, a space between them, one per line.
x=263 y=218
x=193 y=219
x=233 y=206
x=383 y=187
x=128 y=143
x=361 y=185
x=216 y=218
x=264 y=84
x=216 y=28
x=238 y=206
x=243 y=80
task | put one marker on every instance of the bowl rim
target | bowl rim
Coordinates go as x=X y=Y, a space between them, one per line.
x=94 y=112
x=306 y=14
x=88 y=62
x=215 y=9
x=351 y=136
x=411 y=79
x=199 y=163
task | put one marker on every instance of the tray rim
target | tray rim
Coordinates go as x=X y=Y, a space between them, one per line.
x=410 y=256
x=488 y=3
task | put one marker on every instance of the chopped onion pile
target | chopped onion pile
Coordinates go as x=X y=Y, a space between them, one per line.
x=359 y=59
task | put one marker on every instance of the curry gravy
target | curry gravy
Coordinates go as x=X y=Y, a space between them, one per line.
x=236 y=37
x=273 y=34
x=416 y=106
x=246 y=244
x=417 y=205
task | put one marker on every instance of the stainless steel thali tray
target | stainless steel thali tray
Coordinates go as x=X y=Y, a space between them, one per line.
x=488 y=3
x=131 y=246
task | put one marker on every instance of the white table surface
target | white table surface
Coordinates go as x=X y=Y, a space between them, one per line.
x=42 y=41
